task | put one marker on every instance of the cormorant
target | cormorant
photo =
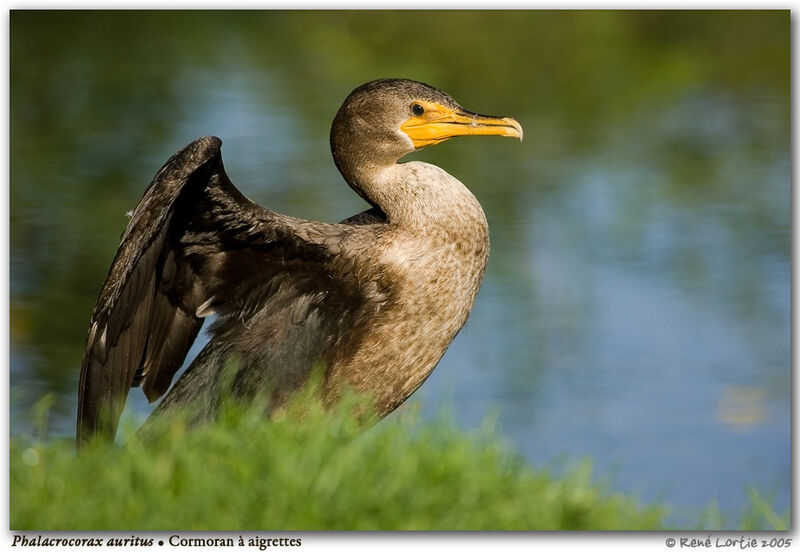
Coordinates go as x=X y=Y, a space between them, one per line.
x=375 y=299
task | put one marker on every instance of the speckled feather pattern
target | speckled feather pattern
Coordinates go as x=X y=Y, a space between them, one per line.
x=434 y=259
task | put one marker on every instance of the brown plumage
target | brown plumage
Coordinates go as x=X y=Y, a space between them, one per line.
x=375 y=300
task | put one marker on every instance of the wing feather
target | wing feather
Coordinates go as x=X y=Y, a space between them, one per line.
x=133 y=295
x=194 y=246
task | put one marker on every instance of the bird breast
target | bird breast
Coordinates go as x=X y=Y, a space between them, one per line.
x=432 y=272
x=437 y=252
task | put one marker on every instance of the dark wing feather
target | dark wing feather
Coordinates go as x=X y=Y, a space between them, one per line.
x=135 y=307
x=194 y=246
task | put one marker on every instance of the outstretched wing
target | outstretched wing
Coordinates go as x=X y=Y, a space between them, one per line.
x=194 y=245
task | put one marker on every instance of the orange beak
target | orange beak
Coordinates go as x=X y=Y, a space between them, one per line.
x=439 y=123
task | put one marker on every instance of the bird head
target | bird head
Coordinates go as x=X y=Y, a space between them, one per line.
x=389 y=118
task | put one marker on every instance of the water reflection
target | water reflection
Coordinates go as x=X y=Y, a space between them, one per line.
x=636 y=307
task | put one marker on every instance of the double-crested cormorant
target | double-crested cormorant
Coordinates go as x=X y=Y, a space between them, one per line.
x=375 y=299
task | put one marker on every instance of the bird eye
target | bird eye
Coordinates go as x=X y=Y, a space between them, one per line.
x=417 y=109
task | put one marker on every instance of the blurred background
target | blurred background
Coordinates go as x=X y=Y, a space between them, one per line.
x=636 y=308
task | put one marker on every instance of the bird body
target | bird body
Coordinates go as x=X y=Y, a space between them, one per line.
x=374 y=300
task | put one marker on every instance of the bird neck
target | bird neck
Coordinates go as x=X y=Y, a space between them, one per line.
x=413 y=195
x=419 y=197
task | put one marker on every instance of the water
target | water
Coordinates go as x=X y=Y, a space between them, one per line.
x=636 y=309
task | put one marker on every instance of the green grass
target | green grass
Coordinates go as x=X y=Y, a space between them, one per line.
x=321 y=472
